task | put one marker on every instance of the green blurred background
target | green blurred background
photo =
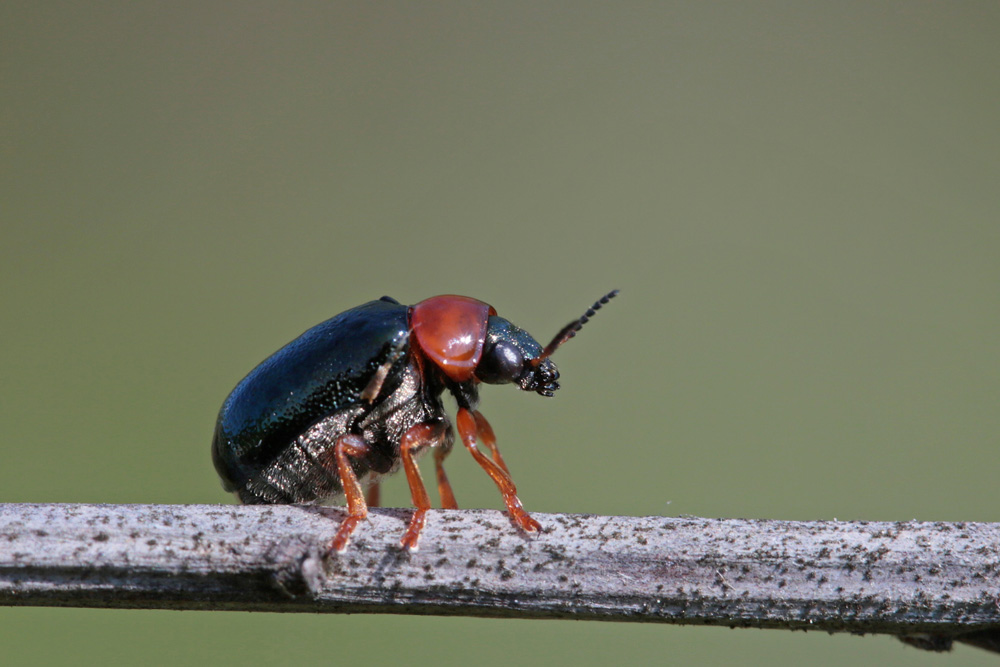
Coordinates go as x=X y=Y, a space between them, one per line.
x=798 y=200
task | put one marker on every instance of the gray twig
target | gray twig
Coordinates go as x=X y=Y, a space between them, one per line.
x=928 y=583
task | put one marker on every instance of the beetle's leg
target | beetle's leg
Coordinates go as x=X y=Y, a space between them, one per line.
x=374 y=386
x=489 y=439
x=349 y=444
x=444 y=486
x=373 y=494
x=469 y=431
x=417 y=436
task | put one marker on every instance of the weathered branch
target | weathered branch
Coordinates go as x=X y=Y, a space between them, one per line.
x=928 y=583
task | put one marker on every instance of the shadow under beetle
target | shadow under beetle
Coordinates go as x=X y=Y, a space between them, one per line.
x=359 y=395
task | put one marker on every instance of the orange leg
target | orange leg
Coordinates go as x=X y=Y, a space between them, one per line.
x=468 y=430
x=444 y=486
x=354 y=446
x=417 y=436
x=489 y=439
x=373 y=495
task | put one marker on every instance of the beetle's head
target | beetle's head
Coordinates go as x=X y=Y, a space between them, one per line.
x=510 y=354
x=467 y=340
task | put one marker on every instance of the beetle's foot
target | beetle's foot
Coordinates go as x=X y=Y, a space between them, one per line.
x=525 y=522
x=343 y=537
x=411 y=537
x=518 y=514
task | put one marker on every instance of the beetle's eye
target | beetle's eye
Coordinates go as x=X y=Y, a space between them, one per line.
x=501 y=363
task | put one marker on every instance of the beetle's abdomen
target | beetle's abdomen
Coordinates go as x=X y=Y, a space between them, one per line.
x=303 y=471
x=320 y=375
x=306 y=470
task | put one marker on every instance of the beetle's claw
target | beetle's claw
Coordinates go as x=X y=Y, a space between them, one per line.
x=410 y=542
x=527 y=524
x=338 y=545
x=343 y=537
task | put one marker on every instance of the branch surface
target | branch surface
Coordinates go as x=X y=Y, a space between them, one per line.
x=928 y=583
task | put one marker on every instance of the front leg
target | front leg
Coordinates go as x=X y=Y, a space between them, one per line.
x=469 y=430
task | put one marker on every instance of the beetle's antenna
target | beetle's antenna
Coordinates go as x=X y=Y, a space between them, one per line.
x=570 y=329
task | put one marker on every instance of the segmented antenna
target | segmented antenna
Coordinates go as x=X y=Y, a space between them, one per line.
x=570 y=329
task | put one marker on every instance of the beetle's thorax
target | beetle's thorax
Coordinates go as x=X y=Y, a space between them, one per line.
x=463 y=342
x=450 y=331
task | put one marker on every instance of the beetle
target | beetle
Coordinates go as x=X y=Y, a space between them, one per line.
x=360 y=395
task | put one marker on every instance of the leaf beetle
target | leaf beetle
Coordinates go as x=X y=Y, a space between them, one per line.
x=359 y=395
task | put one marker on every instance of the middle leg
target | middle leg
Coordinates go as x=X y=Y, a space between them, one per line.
x=416 y=437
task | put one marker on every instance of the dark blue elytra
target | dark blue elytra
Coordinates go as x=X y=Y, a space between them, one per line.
x=320 y=372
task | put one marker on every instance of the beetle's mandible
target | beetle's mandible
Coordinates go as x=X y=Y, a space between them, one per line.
x=358 y=396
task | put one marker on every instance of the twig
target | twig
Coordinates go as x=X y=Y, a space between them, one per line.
x=928 y=583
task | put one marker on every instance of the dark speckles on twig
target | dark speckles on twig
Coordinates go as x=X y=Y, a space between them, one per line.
x=909 y=578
